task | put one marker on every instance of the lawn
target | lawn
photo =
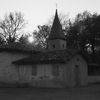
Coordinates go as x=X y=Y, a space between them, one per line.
x=83 y=93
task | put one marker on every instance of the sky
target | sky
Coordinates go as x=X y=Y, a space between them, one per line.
x=38 y=12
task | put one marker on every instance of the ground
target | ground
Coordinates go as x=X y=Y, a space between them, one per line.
x=91 y=92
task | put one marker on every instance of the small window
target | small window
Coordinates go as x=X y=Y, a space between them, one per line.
x=53 y=46
x=63 y=45
x=34 y=70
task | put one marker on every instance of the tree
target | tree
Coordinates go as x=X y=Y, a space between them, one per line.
x=10 y=26
x=41 y=35
x=92 y=25
x=76 y=36
x=23 y=39
x=85 y=30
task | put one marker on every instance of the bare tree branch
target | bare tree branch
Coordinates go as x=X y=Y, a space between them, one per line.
x=11 y=26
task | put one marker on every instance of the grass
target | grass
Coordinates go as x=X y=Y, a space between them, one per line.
x=91 y=92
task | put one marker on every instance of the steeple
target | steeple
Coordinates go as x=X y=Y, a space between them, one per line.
x=56 y=40
x=56 y=30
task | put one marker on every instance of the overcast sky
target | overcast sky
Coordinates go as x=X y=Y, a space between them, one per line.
x=37 y=12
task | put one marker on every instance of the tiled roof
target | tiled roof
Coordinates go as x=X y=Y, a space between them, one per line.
x=56 y=30
x=47 y=57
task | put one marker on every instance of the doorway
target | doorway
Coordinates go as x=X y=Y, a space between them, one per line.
x=77 y=75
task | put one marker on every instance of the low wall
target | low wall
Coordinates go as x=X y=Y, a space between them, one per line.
x=93 y=79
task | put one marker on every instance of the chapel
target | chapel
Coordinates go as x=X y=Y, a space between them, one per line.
x=57 y=67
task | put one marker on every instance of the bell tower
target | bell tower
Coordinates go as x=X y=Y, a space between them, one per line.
x=56 y=40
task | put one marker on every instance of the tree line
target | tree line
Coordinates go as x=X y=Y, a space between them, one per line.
x=83 y=32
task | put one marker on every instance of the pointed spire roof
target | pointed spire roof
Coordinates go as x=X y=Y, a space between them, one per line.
x=56 y=30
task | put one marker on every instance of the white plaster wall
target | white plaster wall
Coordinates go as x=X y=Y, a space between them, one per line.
x=68 y=74
x=58 y=44
x=24 y=73
x=83 y=69
x=93 y=79
x=61 y=71
x=70 y=68
x=45 y=77
x=8 y=71
x=44 y=71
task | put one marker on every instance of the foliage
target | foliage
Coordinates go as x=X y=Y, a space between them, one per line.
x=84 y=30
x=23 y=39
x=10 y=26
x=41 y=35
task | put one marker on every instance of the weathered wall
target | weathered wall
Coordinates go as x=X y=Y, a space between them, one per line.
x=93 y=79
x=83 y=70
x=59 y=44
x=67 y=75
x=76 y=76
x=44 y=71
x=44 y=76
x=8 y=71
x=24 y=73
